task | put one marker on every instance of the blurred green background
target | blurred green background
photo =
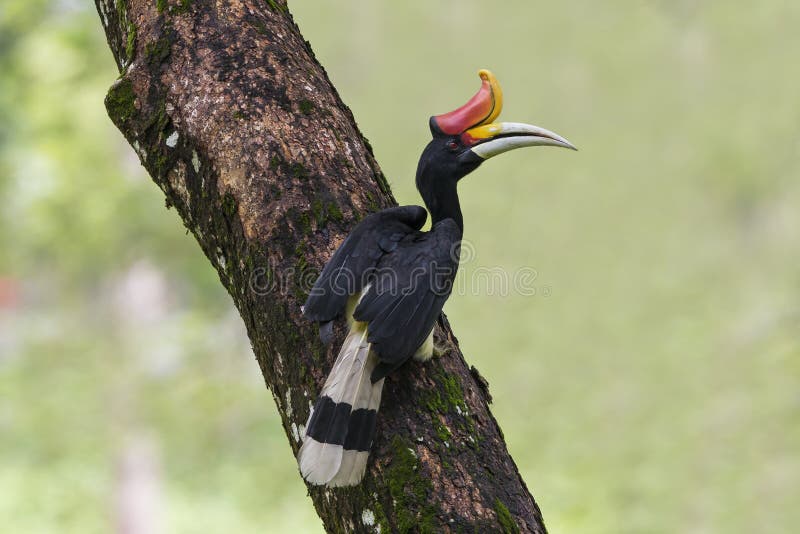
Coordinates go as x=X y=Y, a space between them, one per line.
x=652 y=383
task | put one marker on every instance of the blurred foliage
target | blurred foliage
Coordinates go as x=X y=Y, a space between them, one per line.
x=650 y=385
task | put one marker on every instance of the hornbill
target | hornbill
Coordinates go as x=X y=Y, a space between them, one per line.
x=390 y=280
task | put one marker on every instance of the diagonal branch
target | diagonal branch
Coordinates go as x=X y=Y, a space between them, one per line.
x=238 y=124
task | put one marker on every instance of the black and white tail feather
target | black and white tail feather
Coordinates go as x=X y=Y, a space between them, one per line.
x=341 y=426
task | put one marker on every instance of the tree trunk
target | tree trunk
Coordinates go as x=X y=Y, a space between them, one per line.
x=238 y=124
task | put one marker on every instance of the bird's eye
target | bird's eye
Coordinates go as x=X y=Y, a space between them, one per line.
x=452 y=145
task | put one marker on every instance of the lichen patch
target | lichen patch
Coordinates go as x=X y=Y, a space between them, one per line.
x=172 y=140
x=368 y=517
x=288 y=404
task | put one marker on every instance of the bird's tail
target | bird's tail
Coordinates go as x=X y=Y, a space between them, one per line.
x=339 y=431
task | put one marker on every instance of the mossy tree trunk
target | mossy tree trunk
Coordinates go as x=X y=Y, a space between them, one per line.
x=238 y=124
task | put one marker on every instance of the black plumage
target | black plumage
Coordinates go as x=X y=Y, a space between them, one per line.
x=392 y=279
x=408 y=275
x=407 y=293
x=344 y=273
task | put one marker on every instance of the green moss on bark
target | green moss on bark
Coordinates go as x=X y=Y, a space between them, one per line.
x=448 y=397
x=318 y=209
x=372 y=203
x=334 y=212
x=182 y=7
x=276 y=6
x=157 y=51
x=298 y=170
x=274 y=162
x=383 y=184
x=229 y=205
x=306 y=107
x=130 y=47
x=410 y=490
x=121 y=101
x=323 y=212
x=442 y=432
x=305 y=223
x=505 y=518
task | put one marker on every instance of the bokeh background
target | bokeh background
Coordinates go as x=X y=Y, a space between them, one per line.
x=652 y=383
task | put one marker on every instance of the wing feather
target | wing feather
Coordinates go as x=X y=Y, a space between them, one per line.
x=362 y=249
x=406 y=277
x=408 y=294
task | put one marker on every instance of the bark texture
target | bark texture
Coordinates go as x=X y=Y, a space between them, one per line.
x=239 y=125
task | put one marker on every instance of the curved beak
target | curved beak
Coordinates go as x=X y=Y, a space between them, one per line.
x=490 y=140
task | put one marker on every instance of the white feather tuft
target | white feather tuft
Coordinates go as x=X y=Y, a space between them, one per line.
x=319 y=462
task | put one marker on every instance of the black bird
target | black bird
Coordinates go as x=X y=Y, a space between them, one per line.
x=390 y=279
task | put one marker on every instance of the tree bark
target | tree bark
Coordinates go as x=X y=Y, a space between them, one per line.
x=239 y=125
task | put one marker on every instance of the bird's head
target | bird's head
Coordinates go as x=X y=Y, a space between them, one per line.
x=466 y=137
